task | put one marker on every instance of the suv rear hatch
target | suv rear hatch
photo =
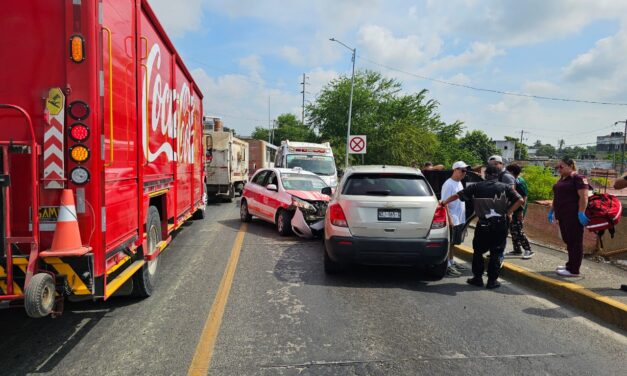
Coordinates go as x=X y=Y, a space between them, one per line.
x=386 y=205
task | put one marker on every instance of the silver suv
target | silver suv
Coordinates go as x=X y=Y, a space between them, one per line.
x=385 y=215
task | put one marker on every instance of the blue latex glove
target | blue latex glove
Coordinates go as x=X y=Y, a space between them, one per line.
x=582 y=218
x=551 y=216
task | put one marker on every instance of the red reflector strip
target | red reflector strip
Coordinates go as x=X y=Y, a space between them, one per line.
x=345 y=242
x=434 y=244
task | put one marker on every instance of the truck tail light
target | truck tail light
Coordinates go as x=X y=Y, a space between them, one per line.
x=79 y=132
x=439 y=218
x=79 y=153
x=336 y=215
x=77 y=48
x=78 y=110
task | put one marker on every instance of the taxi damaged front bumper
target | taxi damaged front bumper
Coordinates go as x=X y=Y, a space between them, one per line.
x=306 y=229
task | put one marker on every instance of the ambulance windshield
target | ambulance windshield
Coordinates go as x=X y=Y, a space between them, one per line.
x=318 y=164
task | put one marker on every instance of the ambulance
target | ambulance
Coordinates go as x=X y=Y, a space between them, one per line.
x=316 y=158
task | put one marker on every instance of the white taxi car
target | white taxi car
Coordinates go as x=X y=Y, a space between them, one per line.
x=293 y=199
x=386 y=215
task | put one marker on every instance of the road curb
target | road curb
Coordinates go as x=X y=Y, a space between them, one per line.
x=606 y=309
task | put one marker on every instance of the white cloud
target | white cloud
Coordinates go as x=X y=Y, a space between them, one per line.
x=292 y=55
x=521 y=22
x=252 y=63
x=605 y=61
x=242 y=100
x=179 y=17
x=318 y=78
x=479 y=54
x=408 y=51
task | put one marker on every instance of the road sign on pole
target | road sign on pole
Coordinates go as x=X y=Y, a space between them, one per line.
x=357 y=145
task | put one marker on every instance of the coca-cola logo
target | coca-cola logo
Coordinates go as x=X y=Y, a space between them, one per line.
x=169 y=118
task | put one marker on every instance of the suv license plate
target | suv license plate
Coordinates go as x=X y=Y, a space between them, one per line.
x=389 y=214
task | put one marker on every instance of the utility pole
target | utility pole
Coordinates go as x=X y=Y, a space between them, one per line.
x=522 y=133
x=304 y=83
x=269 y=123
x=622 y=148
x=350 y=101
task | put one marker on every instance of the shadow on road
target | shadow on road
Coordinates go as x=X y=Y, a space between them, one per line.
x=303 y=263
x=39 y=345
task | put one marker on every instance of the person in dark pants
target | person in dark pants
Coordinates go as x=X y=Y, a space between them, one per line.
x=570 y=199
x=494 y=204
x=621 y=183
x=516 y=227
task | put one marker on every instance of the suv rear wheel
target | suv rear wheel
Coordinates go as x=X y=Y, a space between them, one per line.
x=330 y=266
x=437 y=272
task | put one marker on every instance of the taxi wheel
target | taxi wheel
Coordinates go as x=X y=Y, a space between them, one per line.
x=283 y=223
x=244 y=214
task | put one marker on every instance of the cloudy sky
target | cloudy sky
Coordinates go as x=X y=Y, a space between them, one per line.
x=242 y=52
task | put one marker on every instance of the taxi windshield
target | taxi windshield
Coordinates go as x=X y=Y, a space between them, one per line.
x=302 y=182
x=318 y=164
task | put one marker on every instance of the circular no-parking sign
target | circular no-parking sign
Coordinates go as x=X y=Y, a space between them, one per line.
x=357 y=144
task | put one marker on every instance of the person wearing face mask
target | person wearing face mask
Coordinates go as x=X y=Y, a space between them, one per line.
x=570 y=199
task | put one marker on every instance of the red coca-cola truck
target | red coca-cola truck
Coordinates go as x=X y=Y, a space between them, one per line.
x=101 y=151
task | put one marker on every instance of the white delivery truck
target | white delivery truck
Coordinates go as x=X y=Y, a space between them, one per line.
x=316 y=158
x=226 y=165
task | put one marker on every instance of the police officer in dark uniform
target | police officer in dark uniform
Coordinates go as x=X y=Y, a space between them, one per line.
x=494 y=203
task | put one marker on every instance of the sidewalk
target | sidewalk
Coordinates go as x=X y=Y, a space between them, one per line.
x=596 y=291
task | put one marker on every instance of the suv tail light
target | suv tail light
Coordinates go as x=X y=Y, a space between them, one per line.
x=439 y=218
x=336 y=215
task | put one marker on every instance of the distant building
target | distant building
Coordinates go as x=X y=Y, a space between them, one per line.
x=607 y=145
x=507 y=149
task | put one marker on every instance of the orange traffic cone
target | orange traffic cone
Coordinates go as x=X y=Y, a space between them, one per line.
x=67 y=237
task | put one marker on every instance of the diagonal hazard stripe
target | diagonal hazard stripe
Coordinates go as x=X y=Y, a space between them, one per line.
x=53 y=175
x=53 y=168
x=53 y=132
x=52 y=141
x=53 y=150
x=53 y=158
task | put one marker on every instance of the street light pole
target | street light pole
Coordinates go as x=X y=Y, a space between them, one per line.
x=350 y=101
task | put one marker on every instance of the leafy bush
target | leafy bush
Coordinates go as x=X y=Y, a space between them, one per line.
x=599 y=182
x=540 y=181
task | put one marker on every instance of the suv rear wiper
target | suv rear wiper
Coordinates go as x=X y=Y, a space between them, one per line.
x=379 y=193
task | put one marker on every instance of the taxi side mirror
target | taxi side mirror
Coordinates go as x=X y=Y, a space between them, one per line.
x=272 y=187
x=327 y=191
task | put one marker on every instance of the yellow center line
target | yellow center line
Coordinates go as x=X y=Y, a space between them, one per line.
x=206 y=343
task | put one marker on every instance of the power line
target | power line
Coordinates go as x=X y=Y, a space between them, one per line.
x=510 y=93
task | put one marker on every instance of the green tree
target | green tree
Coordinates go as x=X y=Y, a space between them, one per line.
x=479 y=144
x=400 y=127
x=288 y=127
x=546 y=150
x=540 y=181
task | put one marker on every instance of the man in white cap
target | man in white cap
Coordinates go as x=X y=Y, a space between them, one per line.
x=504 y=175
x=456 y=211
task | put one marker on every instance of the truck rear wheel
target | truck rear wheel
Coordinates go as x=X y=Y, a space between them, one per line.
x=39 y=296
x=231 y=195
x=145 y=279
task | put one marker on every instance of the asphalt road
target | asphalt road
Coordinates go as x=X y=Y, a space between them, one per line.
x=285 y=317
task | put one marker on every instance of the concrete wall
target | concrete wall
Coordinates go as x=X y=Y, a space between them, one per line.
x=538 y=229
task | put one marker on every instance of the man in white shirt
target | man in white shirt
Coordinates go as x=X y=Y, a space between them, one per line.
x=456 y=211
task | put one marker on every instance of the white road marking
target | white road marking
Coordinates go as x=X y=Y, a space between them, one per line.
x=76 y=330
